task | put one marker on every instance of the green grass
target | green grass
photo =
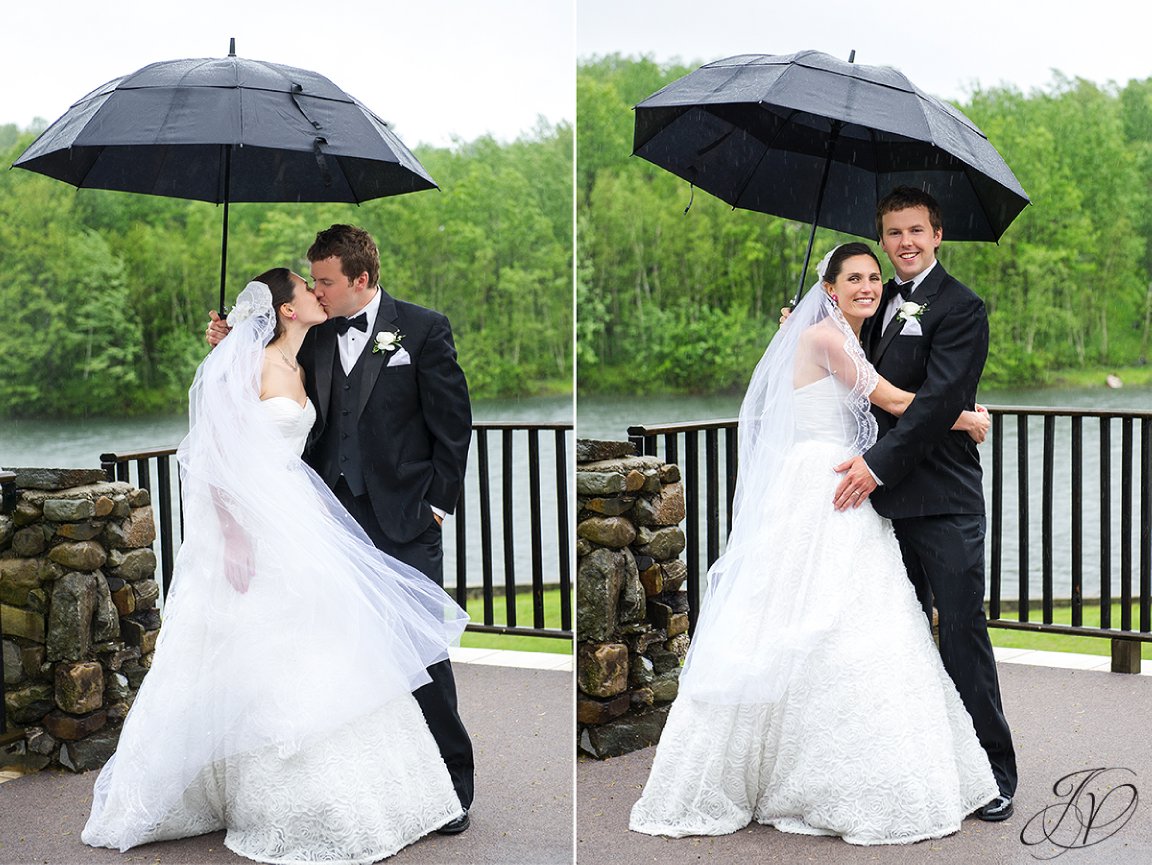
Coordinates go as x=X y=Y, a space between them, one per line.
x=1003 y=637
x=523 y=618
x=1013 y=639
x=1132 y=376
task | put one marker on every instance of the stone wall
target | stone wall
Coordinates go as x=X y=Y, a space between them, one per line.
x=632 y=622
x=78 y=617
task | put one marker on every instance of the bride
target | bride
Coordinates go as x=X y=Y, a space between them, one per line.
x=813 y=698
x=279 y=703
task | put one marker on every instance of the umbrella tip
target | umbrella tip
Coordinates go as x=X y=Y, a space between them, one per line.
x=851 y=55
x=232 y=47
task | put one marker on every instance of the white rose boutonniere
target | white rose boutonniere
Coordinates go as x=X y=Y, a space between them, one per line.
x=387 y=340
x=909 y=310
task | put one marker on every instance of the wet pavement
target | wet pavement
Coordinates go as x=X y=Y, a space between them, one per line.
x=1063 y=720
x=520 y=718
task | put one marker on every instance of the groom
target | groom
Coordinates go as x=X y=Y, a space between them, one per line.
x=391 y=437
x=926 y=478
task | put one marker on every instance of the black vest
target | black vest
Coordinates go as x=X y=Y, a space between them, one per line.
x=340 y=445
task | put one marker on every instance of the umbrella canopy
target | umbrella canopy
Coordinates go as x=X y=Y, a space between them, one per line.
x=226 y=129
x=812 y=138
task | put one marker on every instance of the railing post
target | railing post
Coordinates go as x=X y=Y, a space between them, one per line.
x=167 y=554
x=1146 y=524
x=7 y=492
x=1126 y=524
x=1046 y=519
x=564 y=562
x=7 y=505
x=1105 y=447
x=1125 y=656
x=1022 y=596
x=507 y=460
x=997 y=551
x=484 y=478
x=1077 y=493
x=537 y=548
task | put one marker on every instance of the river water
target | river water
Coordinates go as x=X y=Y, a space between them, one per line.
x=78 y=444
x=609 y=418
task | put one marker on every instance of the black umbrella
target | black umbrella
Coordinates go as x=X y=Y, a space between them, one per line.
x=226 y=129
x=772 y=133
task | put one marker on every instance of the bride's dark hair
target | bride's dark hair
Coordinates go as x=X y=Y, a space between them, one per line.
x=279 y=282
x=844 y=252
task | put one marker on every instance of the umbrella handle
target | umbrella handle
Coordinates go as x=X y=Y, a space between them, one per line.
x=224 y=230
x=829 y=147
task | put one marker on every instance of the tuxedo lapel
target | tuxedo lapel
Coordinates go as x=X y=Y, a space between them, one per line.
x=890 y=332
x=923 y=296
x=931 y=284
x=374 y=361
x=325 y=358
x=875 y=325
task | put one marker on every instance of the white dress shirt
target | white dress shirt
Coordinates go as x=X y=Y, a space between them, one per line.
x=905 y=291
x=353 y=342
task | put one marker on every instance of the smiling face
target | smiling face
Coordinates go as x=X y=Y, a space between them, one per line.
x=909 y=241
x=338 y=294
x=857 y=287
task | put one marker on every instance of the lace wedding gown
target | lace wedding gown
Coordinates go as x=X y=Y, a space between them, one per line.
x=869 y=740
x=281 y=680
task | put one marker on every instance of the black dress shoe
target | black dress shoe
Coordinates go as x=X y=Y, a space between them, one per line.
x=998 y=809
x=461 y=823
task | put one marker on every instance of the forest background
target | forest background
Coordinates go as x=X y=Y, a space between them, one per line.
x=105 y=295
x=670 y=301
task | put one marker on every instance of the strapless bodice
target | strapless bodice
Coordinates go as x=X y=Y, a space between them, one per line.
x=293 y=420
x=821 y=412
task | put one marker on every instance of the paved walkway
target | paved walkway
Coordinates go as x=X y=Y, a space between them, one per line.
x=519 y=710
x=1067 y=714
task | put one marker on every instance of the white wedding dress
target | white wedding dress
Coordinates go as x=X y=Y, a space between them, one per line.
x=275 y=712
x=869 y=740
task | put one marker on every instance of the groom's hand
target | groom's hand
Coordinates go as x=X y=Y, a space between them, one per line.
x=856 y=485
x=217 y=329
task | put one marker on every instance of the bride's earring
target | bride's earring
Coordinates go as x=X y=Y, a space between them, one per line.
x=293 y=316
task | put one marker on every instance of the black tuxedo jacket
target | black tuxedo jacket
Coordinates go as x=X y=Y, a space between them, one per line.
x=415 y=420
x=928 y=469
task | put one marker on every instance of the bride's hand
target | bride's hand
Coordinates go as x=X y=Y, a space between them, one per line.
x=784 y=313
x=238 y=565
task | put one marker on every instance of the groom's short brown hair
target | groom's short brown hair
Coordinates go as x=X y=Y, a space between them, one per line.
x=903 y=197
x=353 y=246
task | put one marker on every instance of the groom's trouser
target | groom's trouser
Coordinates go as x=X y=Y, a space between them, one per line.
x=437 y=699
x=944 y=556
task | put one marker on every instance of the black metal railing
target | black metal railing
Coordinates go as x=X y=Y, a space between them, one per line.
x=1083 y=500
x=521 y=469
x=1103 y=496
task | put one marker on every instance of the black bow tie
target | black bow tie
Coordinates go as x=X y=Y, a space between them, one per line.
x=360 y=322
x=897 y=288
